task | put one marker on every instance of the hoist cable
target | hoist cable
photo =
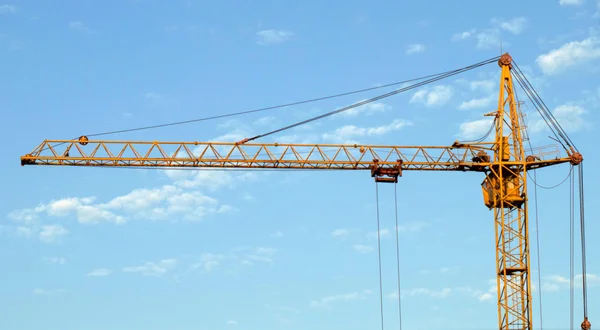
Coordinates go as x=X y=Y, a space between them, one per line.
x=543 y=109
x=583 y=256
x=327 y=114
x=398 y=256
x=485 y=136
x=537 y=242
x=537 y=222
x=554 y=186
x=571 y=252
x=379 y=254
x=521 y=81
x=268 y=108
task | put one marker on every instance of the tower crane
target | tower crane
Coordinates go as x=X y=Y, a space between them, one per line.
x=503 y=161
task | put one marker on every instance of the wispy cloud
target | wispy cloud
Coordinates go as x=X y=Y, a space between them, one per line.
x=413 y=226
x=559 y=282
x=8 y=9
x=151 y=204
x=208 y=262
x=514 y=26
x=270 y=37
x=80 y=27
x=100 y=272
x=56 y=260
x=341 y=232
x=571 y=54
x=153 y=96
x=347 y=134
x=328 y=301
x=436 y=96
x=362 y=248
x=156 y=269
x=570 y=2
x=52 y=233
x=491 y=37
x=415 y=49
x=47 y=292
x=474 y=129
x=569 y=116
x=477 y=103
x=366 y=109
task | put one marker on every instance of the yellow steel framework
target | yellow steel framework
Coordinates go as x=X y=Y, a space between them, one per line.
x=504 y=187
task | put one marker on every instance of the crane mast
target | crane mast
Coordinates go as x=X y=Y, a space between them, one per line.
x=504 y=187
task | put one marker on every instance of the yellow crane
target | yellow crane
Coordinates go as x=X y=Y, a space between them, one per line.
x=503 y=161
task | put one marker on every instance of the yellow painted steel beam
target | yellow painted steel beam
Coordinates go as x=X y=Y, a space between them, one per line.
x=281 y=156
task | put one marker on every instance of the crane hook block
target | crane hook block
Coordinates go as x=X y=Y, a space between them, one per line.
x=386 y=174
x=586 y=325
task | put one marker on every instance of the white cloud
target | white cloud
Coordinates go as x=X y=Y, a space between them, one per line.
x=362 y=248
x=463 y=35
x=344 y=134
x=79 y=26
x=477 y=103
x=269 y=37
x=231 y=322
x=569 y=55
x=489 y=39
x=52 y=233
x=382 y=233
x=47 y=292
x=514 y=26
x=260 y=254
x=245 y=256
x=486 y=38
x=157 y=269
x=437 y=96
x=415 y=49
x=570 y=2
x=368 y=109
x=160 y=203
x=329 y=300
x=480 y=295
x=264 y=120
x=413 y=226
x=153 y=96
x=485 y=296
x=570 y=118
x=342 y=232
x=475 y=129
x=211 y=180
x=448 y=270
x=208 y=262
x=100 y=272
x=443 y=293
x=56 y=260
x=558 y=282
x=482 y=85
x=8 y=9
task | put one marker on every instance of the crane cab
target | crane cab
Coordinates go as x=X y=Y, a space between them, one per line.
x=495 y=188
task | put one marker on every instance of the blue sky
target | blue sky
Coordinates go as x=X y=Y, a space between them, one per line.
x=91 y=249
